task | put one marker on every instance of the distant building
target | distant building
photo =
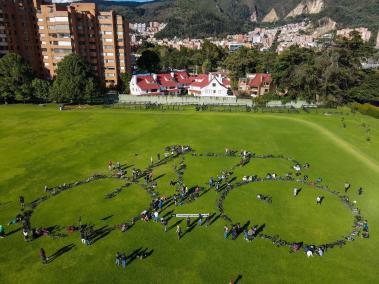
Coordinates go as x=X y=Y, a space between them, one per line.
x=210 y=85
x=364 y=32
x=256 y=84
x=44 y=33
x=176 y=83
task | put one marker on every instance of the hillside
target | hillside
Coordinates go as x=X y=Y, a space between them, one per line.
x=199 y=18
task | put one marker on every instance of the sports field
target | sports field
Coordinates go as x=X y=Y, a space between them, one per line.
x=43 y=146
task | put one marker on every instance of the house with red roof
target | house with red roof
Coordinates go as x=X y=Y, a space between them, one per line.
x=145 y=85
x=256 y=84
x=176 y=83
x=210 y=85
x=173 y=83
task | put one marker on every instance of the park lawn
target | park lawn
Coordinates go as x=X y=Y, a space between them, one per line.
x=42 y=146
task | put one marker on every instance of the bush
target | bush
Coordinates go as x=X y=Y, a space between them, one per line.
x=366 y=109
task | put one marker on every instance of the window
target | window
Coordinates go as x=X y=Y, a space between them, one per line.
x=109 y=54
x=213 y=84
x=40 y=19
x=108 y=40
x=108 y=46
x=59 y=27
x=111 y=75
x=62 y=50
x=64 y=43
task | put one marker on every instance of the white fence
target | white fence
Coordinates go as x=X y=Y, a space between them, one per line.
x=187 y=100
x=190 y=100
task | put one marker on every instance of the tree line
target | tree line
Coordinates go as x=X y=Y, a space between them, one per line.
x=74 y=82
x=332 y=74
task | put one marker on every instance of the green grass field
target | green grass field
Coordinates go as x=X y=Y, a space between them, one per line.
x=42 y=146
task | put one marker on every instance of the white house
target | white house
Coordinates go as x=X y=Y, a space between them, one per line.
x=144 y=85
x=210 y=85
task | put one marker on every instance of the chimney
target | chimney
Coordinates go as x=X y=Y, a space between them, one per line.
x=172 y=74
x=155 y=77
x=210 y=77
x=134 y=80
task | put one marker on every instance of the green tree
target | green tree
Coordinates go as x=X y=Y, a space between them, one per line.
x=242 y=61
x=15 y=78
x=75 y=81
x=206 y=66
x=149 y=61
x=41 y=89
x=125 y=82
x=367 y=91
x=212 y=53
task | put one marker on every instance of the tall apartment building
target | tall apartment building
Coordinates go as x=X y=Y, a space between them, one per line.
x=3 y=35
x=102 y=38
x=54 y=31
x=18 y=31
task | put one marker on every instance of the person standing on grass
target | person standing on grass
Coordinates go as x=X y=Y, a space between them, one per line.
x=347 y=186
x=123 y=261
x=200 y=221
x=118 y=258
x=226 y=232
x=164 y=223
x=295 y=191
x=2 y=231
x=22 y=202
x=156 y=216
x=318 y=200
x=188 y=221
x=179 y=231
x=42 y=255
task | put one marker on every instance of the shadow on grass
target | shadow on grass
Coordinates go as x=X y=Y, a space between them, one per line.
x=14 y=231
x=106 y=218
x=174 y=225
x=159 y=177
x=100 y=233
x=238 y=279
x=215 y=219
x=60 y=252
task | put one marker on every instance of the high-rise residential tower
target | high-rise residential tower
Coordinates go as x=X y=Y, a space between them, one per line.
x=49 y=32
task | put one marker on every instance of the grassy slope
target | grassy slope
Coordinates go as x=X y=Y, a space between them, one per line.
x=39 y=146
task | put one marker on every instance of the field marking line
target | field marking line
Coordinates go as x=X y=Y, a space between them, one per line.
x=343 y=144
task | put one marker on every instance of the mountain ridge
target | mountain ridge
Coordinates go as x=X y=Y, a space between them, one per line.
x=200 y=18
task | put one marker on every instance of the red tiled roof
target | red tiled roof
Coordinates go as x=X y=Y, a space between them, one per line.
x=183 y=78
x=259 y=79
x=147 y=82
x=226 y=82
x=201 y=81
x=166 y=80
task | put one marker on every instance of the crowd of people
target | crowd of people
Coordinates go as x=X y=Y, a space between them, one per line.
x=222 y=185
